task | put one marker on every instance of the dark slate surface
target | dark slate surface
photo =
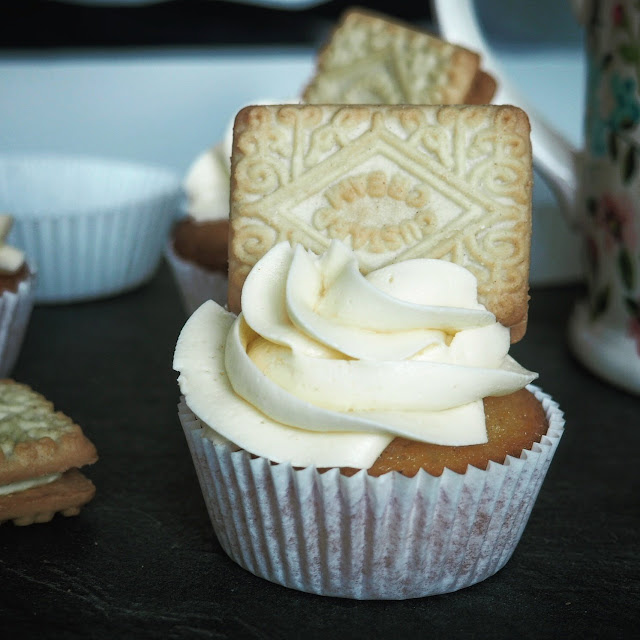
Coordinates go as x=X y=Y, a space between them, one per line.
x=141 y=560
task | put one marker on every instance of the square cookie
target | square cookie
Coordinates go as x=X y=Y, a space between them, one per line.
x=394 y=183
x=372 y=59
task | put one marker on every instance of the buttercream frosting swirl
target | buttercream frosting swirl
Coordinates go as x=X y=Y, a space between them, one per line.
x=326 y=366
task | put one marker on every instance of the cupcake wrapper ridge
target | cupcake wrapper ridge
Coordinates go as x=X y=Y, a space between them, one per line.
x=92 y=227
x=95 y=256
x=363 y=537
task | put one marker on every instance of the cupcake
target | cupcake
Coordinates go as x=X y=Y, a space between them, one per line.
x=361 y=436
x=197 y=251
x=16 y=299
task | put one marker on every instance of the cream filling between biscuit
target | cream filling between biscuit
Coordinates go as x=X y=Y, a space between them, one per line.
x=24 y=485
x=325 y=366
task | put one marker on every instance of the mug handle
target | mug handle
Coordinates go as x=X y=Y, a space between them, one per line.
x=554 y=156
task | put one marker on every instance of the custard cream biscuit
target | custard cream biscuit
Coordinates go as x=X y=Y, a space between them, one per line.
x=393 y=182
x=372 y=59
x=40 y=451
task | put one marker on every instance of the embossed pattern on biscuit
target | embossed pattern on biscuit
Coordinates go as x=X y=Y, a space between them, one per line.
x=370 y=59
x=36 y=440
x=26 y=416
x=393 y=182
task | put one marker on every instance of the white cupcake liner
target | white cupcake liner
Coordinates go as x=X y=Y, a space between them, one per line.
x=196 y=284
x=367 y=538
x=91 y=227
x=15 y=311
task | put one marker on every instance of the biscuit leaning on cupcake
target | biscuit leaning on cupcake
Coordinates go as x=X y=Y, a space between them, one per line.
x=395 y=182
x=41 y=451
x=363 y=404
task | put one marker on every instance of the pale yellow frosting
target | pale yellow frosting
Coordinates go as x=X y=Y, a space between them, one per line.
x=325 y=366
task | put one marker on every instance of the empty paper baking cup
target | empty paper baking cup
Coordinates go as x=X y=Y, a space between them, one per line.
x=91 y=227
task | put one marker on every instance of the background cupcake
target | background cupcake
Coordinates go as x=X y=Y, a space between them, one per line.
x=197 y=249
x=16 y=299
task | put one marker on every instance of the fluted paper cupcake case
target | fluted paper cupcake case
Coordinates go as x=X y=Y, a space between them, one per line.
x=367 y=538
x=92 y=227
x=15 y=311
x=196 y=284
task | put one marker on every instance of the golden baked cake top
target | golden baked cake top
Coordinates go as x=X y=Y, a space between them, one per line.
x=394 y=183
x=372 y=59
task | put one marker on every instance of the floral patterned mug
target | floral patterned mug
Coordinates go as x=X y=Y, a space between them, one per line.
x=599 y=186
x=605 y=328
